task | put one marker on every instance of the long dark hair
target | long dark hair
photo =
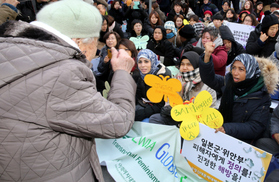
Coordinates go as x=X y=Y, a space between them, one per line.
x=234 y=18
x=131 y=46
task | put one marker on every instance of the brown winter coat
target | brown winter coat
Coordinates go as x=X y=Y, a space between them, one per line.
x=6 y=13
x=50 y=111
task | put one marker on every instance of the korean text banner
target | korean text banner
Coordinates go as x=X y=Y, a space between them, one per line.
x=240 y=32
x=149 y=153
x=220 y=157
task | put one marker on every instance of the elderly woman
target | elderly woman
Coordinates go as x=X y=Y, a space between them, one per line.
x=245 y=93
x=219 y=54
x=192 y=85
x=49 y=103
x=148 y=64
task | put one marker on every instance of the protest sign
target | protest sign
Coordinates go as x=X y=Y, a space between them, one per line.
x=219 y=157
x=193 y=113
x=240 y=32
x=163 y=88
x=140 y=42
x=149 y=153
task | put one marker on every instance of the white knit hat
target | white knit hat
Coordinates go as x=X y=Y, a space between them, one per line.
x=73 y=18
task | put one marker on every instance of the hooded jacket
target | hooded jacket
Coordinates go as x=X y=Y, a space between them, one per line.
x=50 y=109
x=251 y=112
x=256 y=47
x=236 y=48
x=162 y=48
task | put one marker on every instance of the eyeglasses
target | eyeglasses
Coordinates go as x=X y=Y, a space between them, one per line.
x=111 y=39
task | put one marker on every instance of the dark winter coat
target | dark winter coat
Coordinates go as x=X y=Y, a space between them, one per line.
x=27 y=11
x=236 y=48
x=163 y=48
x=211 y=7
x=251 y=112
x=132 y=14
x=256 y=47
x=118 y=15
x=149 y=109
x=172 y=14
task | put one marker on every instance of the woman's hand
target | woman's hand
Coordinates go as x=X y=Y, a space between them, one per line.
x=221 y=129
x=209 y=48
x=263 y=37
x=106 y=59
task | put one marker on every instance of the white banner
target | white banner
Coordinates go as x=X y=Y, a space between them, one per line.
x=240 y=32
x=220 y=157
x=149 y=153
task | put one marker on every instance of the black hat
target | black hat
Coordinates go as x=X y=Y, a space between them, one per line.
x=274 y=5
x=187 y=32
x=192 y=56
x=217 y=16
x=259 y=2
x=269 y=20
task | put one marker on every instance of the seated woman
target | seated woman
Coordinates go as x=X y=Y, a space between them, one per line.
x=219 y=55
x=171 y=32
x=262 y=40
x=178 y=21
x=245 y=93
x=130 y=48
x=161 y=46
x=250 y=20
x=152 y=21
x=230 y=16
x=192 y=85
x=148 y=64
x=104 y=67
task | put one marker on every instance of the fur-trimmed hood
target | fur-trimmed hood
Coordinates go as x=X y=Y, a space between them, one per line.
x=270 y=73
x=25 y=48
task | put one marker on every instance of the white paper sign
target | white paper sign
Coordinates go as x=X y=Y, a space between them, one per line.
x=220 y=157
x=240 y=32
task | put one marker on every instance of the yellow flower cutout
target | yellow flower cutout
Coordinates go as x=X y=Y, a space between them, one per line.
x=196 y=112
x=161 y=88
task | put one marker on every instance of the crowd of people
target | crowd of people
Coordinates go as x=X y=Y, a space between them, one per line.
x=51 y=94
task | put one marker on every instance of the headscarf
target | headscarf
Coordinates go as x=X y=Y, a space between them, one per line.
x=252 y=83
x=150 y=55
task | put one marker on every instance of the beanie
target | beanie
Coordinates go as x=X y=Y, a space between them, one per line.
x=192 y=56
x=73 y=18
x=170 y=25
x=208 y=12
x=269 y=20
x=187 y=32
x=217 y=16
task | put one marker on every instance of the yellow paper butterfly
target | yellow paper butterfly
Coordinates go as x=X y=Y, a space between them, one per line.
x=161 y=88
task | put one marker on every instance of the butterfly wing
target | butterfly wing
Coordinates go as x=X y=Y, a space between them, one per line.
x=154 y=94
x=174 y=86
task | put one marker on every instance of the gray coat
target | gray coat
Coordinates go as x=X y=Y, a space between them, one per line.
x=50 y=111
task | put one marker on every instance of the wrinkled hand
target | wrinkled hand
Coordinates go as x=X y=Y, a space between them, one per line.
x=121 y=60
x=221 y=129
x=263 y=37
x=209 y=48
x=276 y=136
x=12 y=2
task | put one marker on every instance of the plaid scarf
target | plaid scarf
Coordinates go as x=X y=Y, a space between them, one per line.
x=190 y=78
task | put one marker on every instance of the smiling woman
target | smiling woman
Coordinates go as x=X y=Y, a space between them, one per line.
x=148 y=64
x=245 y=94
